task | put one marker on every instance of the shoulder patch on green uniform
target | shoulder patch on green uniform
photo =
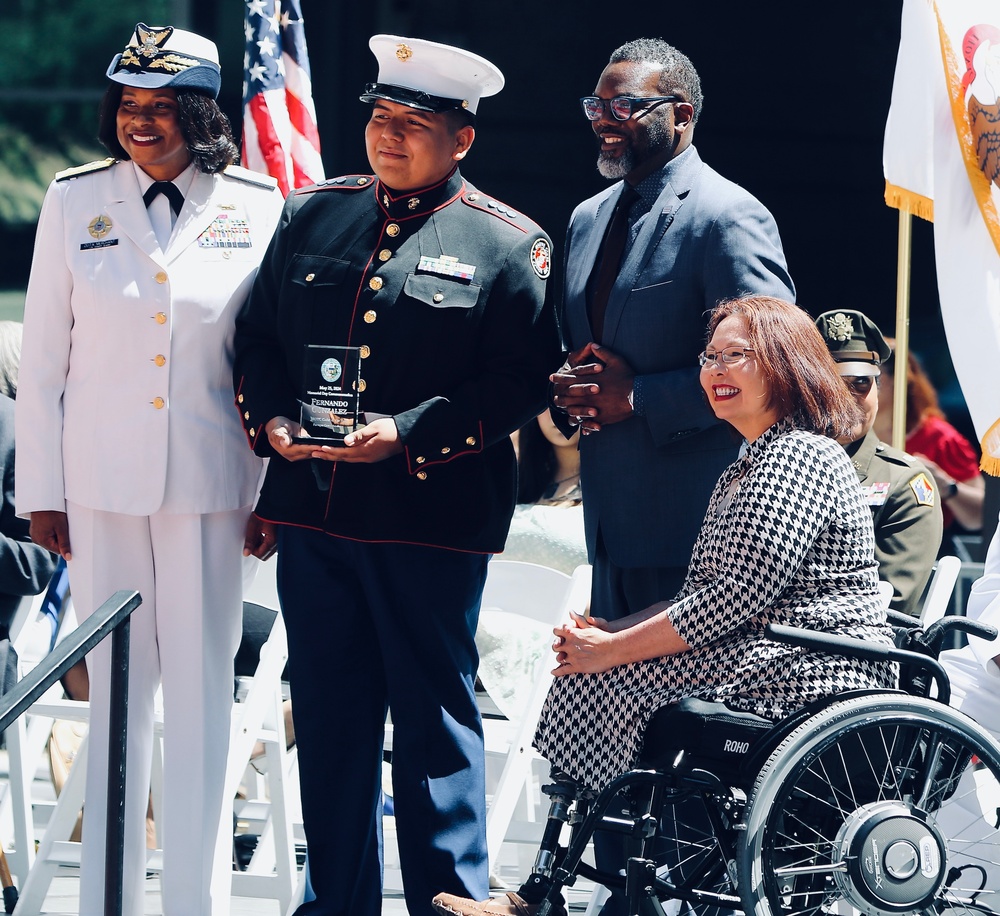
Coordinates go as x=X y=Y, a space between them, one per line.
x=98 y=165
x=923 y=489
x=341 y=182
x=258 y=179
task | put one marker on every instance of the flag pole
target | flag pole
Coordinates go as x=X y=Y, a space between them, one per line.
x=902 y=353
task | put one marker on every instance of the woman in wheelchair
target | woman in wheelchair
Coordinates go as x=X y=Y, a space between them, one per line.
x=758 y=785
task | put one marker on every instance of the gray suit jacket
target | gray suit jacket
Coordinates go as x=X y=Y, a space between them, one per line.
x=647 y=480
x=25 y=568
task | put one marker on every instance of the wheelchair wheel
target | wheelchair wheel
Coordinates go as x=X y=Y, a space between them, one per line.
x=885 y=804
x=689 y=853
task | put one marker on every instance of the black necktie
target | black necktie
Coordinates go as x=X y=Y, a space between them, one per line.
x=610 y=260
x=169 y=190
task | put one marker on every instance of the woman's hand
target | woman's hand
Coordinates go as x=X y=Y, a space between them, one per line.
x=583 y=646
x=50 y=530
x=590 y=644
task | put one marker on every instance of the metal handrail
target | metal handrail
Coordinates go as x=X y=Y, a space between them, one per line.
x=111 y=617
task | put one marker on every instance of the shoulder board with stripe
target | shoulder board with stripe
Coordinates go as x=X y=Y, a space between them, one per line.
x=478 y=201
x=342 y=182
x=98 y=165
x=258 y=179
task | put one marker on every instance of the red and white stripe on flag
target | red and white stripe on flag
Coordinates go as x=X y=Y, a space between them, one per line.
x=280 y=137
x=941 y=158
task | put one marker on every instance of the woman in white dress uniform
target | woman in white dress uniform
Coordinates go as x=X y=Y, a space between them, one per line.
x=132 y=462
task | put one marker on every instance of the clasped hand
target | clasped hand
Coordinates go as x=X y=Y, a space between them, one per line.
x=593 y=387
x=374 y=442
x=582 y=646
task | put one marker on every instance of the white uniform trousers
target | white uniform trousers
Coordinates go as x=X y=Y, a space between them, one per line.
x=188 y=570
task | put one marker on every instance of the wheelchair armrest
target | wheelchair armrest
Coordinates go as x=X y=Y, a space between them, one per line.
x=857 y=648
x=960 y=625
x=944 y=625
x=900 y=620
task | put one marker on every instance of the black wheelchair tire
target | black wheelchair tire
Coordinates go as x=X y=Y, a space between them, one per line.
x=787 y=865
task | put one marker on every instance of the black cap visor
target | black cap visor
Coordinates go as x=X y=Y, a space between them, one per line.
x=412 y=98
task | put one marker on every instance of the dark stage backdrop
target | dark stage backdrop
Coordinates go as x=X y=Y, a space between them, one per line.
x=796 y=96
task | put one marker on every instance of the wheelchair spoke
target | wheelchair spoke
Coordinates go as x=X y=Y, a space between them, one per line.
x=828 y=869
x=878 y=804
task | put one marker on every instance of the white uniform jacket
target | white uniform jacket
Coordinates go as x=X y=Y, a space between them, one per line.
x=125 y=401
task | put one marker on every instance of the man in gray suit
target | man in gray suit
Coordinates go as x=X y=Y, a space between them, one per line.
x=634 y=318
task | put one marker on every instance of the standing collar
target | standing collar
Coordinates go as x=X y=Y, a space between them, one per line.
x=760 y=444
x=405 y=205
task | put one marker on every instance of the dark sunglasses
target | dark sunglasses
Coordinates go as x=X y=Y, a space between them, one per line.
x=859 y=384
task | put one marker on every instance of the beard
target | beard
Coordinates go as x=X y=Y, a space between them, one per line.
x=650 y=139
x=617 y=167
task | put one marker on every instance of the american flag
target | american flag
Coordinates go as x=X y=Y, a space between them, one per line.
x=279 y=119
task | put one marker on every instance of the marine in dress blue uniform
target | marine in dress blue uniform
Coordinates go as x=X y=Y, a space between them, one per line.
x=383 y=542
x=905 y=503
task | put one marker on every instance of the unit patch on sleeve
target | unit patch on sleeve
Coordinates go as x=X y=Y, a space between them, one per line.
x=922 y=489
x=541 y=259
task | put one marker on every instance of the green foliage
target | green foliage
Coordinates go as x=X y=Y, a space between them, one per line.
x=53 y=57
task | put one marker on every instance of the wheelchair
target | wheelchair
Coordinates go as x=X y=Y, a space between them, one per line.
x=874 y=802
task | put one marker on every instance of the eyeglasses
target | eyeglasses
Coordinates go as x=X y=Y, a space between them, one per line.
x=729 y=355
x=622 y=106
x=859 y=384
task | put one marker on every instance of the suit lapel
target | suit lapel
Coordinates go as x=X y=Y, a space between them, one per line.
x=589 y=248
x=128 y=212
x=680 y=178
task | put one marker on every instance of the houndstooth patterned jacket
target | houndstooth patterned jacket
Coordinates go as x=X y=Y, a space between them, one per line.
x=787 y=539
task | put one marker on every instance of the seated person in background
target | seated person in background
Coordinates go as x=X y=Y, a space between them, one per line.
x=547 y=527
x=905 y=504
x=787 y=539
x=974 y=672
x=948 y=455
x=10 y=356
x=25 y=568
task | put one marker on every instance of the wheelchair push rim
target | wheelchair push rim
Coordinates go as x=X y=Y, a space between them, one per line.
x=886 y=805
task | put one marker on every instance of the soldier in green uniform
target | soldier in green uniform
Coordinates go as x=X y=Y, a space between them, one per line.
x=906 y=507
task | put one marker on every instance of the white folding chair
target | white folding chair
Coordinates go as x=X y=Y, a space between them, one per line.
x=272 y=869
x=523 y=597
x=937 y=598
x=541 y=598
x=27 y=736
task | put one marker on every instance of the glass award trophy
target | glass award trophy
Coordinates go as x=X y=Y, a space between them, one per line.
x=331 y=399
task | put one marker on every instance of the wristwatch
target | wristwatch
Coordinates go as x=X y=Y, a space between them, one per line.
x=951 y=491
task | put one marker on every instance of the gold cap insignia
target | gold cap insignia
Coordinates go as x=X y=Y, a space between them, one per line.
x=151 y=40
x=403 y=52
